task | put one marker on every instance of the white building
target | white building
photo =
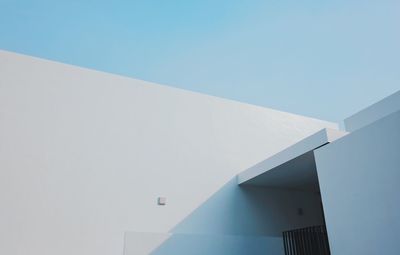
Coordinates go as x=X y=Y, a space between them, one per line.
x=98 y=164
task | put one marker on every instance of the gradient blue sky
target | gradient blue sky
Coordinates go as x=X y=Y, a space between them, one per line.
x=325 y=59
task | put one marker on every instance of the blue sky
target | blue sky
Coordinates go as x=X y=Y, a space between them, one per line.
x=325 y=59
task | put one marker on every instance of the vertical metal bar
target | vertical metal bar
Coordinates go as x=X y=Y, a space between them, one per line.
x=291 y=243
x=322 y=235
x=310 y=241
x=303 y=242
x=313 y=234
x=292 y=240
x=325 y=240
x=285 y=243
x=299 y=245
x=306 y=241
x=298 y=242
x=320 y=249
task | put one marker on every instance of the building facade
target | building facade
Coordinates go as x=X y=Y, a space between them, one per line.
x=94 y=163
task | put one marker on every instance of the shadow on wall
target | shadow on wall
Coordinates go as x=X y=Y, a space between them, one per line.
x=241 y=220
x=189 y=244
x=200 y=244
x=252 y=210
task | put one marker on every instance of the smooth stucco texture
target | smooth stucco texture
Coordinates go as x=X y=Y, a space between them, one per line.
x=359 y=178
x=84 y=156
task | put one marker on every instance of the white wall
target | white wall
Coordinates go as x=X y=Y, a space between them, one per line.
x=200 y=244
x=235 y=217
x=84 y=155
x=374 y=112
x=359 y=178
x=253 y=210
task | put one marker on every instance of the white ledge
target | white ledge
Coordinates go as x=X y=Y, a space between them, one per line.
x=304 y=146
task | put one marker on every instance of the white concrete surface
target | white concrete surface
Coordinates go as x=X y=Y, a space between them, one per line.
x=139 y=243
x=197 y=244
x=290 y=153
x=84 y=154
x=373 y=113
x=359 y=178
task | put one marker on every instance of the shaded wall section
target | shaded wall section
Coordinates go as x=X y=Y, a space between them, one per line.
x=359 y=178
x=374 y=112
x=253 y=210
x=201 y=244
x=235 y=220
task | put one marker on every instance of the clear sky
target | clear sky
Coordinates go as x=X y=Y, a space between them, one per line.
x=325 y=59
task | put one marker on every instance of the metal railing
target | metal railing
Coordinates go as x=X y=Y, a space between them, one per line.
x=306 y=241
